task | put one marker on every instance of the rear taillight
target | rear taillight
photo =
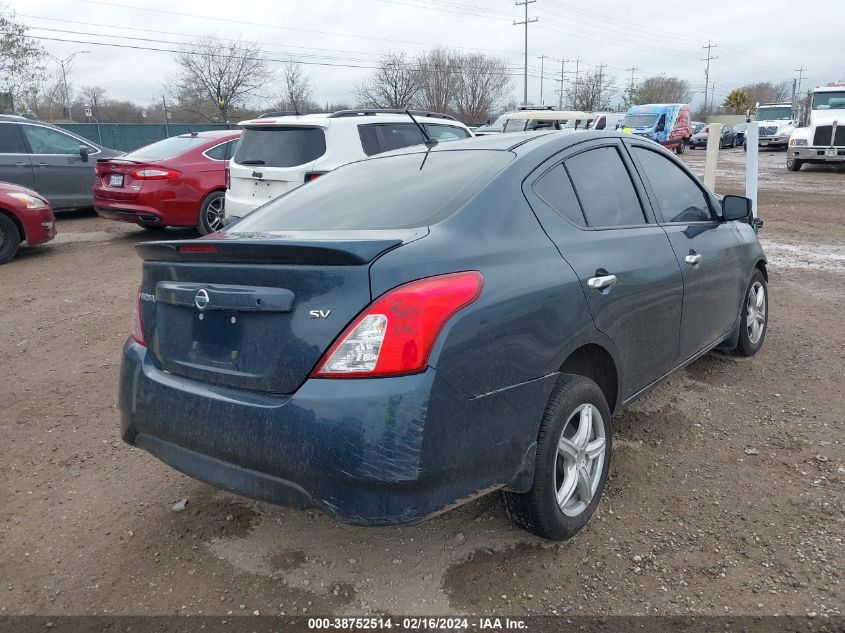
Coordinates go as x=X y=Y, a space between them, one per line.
x=312 y=175
x=137 y=330
x=228 y=178
x=154 y=173
x=100 y=169
x=396 y=333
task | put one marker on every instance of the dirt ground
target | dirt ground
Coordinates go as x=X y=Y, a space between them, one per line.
x=725 y=494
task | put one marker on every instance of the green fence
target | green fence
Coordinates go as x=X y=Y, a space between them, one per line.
x=128 y=136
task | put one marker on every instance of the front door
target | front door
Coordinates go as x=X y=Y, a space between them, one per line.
x=630 y=276
x=706 y=247
x=61 y=175
x=14 y=159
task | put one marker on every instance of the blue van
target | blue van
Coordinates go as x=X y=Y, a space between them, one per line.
x=664 y=123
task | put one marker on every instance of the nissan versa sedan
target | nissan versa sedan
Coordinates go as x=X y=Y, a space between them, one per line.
x=415 y=330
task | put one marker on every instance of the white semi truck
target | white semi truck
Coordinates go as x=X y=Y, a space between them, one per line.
x=822 y=139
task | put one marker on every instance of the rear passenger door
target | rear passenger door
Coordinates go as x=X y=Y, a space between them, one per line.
x=15 y=166
x=707 y=248
x=592 y=209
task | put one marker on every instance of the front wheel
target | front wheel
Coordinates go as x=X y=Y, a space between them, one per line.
x=754 y=318
x=794 y=164
x=211 y=213
x=721 y=144
x=573 y=458
x=10 y=238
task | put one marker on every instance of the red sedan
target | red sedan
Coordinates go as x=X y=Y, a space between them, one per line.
x=24 y=217
x=180 y=181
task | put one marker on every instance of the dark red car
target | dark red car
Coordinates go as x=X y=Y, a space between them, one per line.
x=24 y=217
x=180 y=181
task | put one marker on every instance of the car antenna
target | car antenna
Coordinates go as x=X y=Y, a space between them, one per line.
x=429 y=142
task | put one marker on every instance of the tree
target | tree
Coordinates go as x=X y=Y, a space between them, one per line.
x=662 y=89
x=22 y=67
x=593 y=92
x=438 y=71
x=767 y=92
x=736 y=102
x=394 y=84
x=216 y=76
x=483 y=81
x=296 y=89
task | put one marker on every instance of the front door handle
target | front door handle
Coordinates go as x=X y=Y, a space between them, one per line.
x=693 y=259
x=597 y=283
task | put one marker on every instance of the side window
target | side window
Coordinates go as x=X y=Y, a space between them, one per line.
x=217 y=153
x=231 y=148
x=555 y=189
x=445 y=132
x=10 y=139
x=383 y=137
x=604 y=188
x=45 y=140
x=679 y=197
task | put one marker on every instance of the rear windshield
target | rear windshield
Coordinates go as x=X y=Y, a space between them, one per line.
x=277 y=146
x=168 y=148
x=405 y=191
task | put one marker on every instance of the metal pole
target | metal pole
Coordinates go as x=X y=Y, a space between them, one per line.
x=707 y=59
x=560 y=100
x=542 y=59
x=711 y=158
x=526 y=22
x=752 y=161
x=166 y=126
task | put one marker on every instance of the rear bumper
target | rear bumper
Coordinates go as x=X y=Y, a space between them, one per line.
x=377 y=451
x=235 y=208
x=135 y=214
x=817 y=154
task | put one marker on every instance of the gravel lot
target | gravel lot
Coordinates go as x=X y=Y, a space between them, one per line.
x=725 y=494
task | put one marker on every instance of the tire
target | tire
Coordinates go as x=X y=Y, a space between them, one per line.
x=794 y=164
x=10 y=238
x=681 y=147
x=576 y=403
x=745 y=147
x=211 y=213
x=721 y=144
x=754 y=309
x=733 y=145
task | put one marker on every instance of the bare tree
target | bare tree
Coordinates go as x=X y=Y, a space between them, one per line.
x=767 y=92
x=394 y=84
x=22 y=67
x=592 y=93
x=483 y=82
x=438 y=71
x=662 y=89
x=217 y=76
x=296 y=89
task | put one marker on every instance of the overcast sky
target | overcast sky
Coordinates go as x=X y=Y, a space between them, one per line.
x=757 y=41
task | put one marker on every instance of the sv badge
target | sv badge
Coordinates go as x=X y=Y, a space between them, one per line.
x=319 y=314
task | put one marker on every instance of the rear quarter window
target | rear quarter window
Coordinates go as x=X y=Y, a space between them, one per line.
x=279 y=146
x=404 y=191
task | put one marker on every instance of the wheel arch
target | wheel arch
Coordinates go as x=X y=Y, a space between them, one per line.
x=596 y=363
x=761 y=266
x=16 y=222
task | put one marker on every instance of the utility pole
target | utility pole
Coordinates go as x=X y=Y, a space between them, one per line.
x=600 y=105
x=561 y=80
x=707 y=59
x=575 y=89
x=800 y=72
x=633 y=69
x=166 y=116
x=66 y=64
x=542 y=59
x=526 y=22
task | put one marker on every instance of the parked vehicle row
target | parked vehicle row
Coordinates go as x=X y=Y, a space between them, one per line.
x=421 y=327
x=727 y=138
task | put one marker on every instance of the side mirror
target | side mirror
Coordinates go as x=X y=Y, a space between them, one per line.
x=83 y=152
x=736 y=208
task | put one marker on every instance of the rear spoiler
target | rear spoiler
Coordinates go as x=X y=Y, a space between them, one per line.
x=322 y=251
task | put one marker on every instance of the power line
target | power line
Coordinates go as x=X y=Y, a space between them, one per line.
x=526 y=22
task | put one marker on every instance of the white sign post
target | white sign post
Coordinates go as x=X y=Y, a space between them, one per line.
x=711 y=158
x=752 y=162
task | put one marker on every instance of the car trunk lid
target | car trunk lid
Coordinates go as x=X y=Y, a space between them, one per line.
x=257 y=312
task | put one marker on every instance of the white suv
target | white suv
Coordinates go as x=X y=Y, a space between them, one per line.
x=276 y=154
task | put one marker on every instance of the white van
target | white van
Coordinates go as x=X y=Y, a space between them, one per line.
x=277 y=154
x=607 y=120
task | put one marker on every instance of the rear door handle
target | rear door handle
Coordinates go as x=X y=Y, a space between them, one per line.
x=597 y=283
x=693 y=259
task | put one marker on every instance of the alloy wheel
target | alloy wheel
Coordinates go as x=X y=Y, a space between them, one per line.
x=214 y=214
x=580 y=460
x=755 y=319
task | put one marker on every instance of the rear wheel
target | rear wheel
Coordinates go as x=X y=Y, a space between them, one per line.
x=211 y=213
x=573 y=458
x=754 y=318
x=721 y=144
x=10 y=238
x=794 y=164
x=681 y=147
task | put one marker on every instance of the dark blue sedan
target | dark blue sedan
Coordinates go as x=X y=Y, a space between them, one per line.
x=415 y=330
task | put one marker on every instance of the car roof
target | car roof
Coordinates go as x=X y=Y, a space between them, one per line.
x=325 y=119
x=212 y=134
x=548 y=115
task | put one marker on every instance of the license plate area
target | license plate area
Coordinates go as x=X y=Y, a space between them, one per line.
x=115 y=180
x=831 y=152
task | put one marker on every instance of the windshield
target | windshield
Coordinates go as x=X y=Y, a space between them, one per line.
x=778 y=113
x=514 y=125
x=404 y=191
x=639 y=120
x=168 y=148
x=829 y=101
